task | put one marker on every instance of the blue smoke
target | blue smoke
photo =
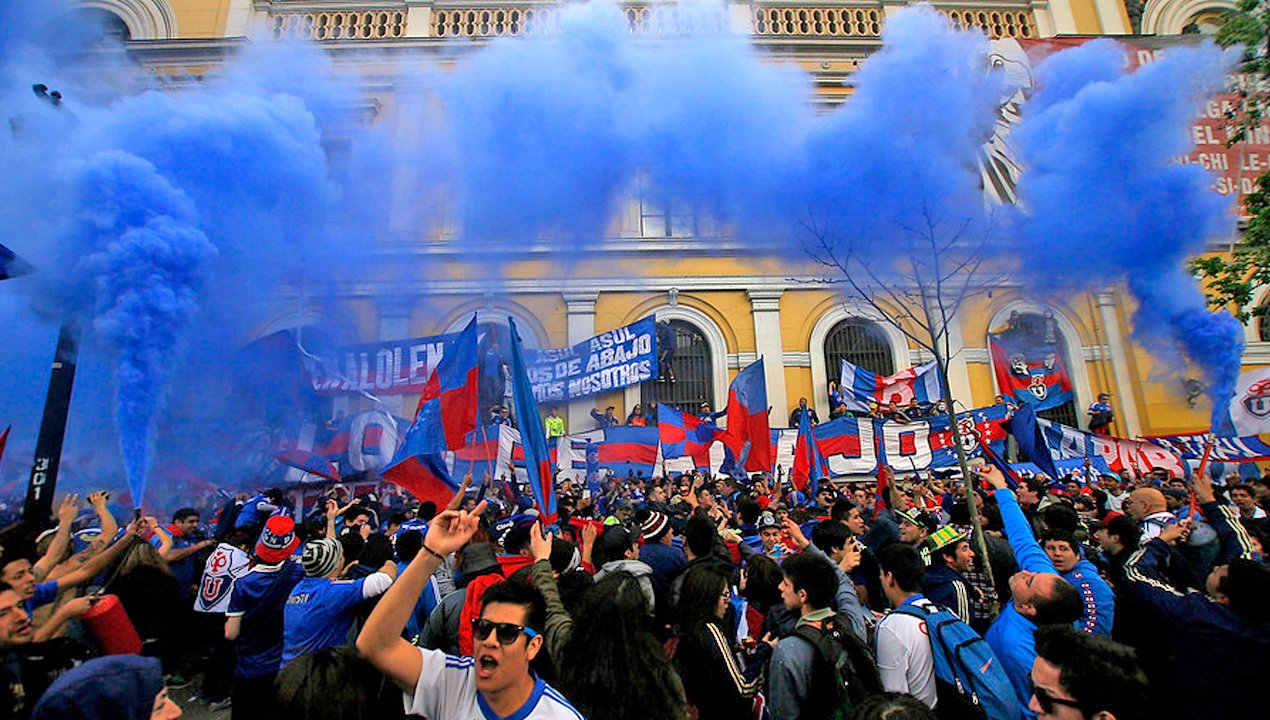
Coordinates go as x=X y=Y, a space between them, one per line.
x=183 y=220
x=1106 y=200
x=148 y=262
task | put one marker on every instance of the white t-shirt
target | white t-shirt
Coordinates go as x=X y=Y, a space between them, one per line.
x=905 y=660
x=446 y=690
x=1115 y=503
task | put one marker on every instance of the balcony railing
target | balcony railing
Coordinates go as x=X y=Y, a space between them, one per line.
x=851 y=19
x=340 y=25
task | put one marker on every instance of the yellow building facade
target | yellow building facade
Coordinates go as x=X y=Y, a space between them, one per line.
x=728 y=310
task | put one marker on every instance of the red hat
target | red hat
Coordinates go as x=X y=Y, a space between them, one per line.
x=1111 y=515
x=763 y=501
x=278 y=541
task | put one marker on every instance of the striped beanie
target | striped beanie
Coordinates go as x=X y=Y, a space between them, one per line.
x=320 y=557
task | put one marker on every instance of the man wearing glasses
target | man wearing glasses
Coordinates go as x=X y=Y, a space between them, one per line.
x=496 y=682
x=1077 y=676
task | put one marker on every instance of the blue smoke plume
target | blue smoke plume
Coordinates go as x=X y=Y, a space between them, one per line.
x=1106 y=200
x=147 y=261
x=185 y=219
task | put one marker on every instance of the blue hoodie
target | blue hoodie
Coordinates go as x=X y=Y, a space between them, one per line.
x=118 y=687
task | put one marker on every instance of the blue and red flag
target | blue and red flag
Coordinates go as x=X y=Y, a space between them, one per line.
x=532 y=434
x=306 y=460
x=479 y=455
x=1031 y=440
x=809 y=465
x=862 y=387
x=1029 y=373
x=683 y=434
x=11 y=265
x=446 y=414
x=749 y=434
x=629 y=450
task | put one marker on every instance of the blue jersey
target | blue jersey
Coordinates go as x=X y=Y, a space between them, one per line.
x=184 y=569
x=45 y=593
x=427 y=602
x=319 y=614
x=259 y=598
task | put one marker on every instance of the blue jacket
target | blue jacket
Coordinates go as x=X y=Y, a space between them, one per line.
x=1096 y=595
x=1012 y=636
x=1218 y=657
x=945 y=586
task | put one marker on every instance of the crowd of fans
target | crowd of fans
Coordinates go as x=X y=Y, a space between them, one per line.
x=1108 y=597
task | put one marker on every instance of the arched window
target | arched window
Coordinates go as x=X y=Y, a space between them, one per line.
x=1263 y=327
x=860 y=342
x=693 y=371
x=107 y=24
x=1047 y=331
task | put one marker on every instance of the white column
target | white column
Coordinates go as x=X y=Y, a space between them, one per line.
x=1109 y=19
x=239 y=19
x=766 y=305
x=580 y=316
x=1064 y=22
x=1126 y=400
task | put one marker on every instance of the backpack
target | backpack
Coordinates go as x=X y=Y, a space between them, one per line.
x=845 y=672
x=970 y=682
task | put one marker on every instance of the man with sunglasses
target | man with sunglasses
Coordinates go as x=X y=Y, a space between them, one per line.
x=497 y=681
x=1079 y=676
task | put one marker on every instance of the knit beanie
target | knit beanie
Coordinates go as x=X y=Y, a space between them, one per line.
x=320 y=557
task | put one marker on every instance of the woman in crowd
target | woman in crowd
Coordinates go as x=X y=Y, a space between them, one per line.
x=717 y=683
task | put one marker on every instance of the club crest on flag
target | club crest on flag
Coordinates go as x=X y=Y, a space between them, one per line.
x=1257 y=398
x=1038 y=388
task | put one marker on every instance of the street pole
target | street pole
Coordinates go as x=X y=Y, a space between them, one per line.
x=48 y=447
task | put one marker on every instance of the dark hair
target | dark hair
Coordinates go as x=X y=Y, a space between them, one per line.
x=1099 y=673
x=1055 y=535
x=614 y=543
x=1063 y=607
x=841 y=510
x=959 y=513
x=1243 y=488
x=699 y=535
x=992 y=517
x=512 y=592
x=427 y=510
x=813 y=575
x=1247 y=585
x=335 y=684
x=699 y=596
x=1125 y=529
x=408 y=545
x=4 y=586
x=241 y=537
x=763 y=581
x=516 y=540
x=904 y=564
x=1061 y=516
x=748 y=509
x=892 y=706
x=377 y=551
x=614 y=666
x=183 y=513
x=830 y=536
x=352 y=544
x=397 y=518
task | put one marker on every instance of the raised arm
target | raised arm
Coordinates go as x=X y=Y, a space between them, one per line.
x=109 y=526
x=1145 y=574
x=102 y=560
x=380 y=641
x=1234 y=539
x=61 y=539
x=1027 y=552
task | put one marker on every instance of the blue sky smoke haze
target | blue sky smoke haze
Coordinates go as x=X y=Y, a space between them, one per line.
x=171 y=219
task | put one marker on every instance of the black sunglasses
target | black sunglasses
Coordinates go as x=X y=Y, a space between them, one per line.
x=507 y=632
x=1047 y=701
